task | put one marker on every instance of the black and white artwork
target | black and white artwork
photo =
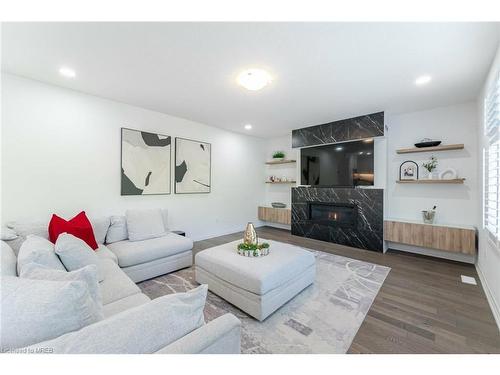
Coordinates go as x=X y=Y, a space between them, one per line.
x=192 y=166
x=408 y=170
x=146 y=163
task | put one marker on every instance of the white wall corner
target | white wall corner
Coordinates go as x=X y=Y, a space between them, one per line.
x=494 y=305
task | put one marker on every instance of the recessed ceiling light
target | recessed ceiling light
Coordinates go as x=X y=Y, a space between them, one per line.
x=254 y=79
x=423 y=80
x=248 y=126
x=339 y=148
x=369 y=140
x=67 y=72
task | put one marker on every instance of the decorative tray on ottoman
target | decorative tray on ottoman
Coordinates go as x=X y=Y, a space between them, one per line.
x=252 y=250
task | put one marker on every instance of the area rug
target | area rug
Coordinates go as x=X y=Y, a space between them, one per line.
x=323 y=318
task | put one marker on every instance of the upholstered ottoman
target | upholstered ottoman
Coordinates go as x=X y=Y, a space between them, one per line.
x=258 y=286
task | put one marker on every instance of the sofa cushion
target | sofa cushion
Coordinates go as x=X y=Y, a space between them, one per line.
x=256 y=275
x=117 y=230
x=143 y=224
x=9 y=261
x=100 y=225
x=36 y=249
x=130 y=253
x=104 y=253
x=143 y=329
x=38 y=310
x=87 y=274
x=23 y=230
x=126 y=303
x=116 y=284
x=75 y=254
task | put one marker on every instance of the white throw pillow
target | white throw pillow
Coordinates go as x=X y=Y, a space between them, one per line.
x=100 y=227
x=145 y=224
x=7 y=234
x=76 y=254
x=36 y=249
x=37 y=310
x=87 y=274
x=143 y=329
x=117 y=230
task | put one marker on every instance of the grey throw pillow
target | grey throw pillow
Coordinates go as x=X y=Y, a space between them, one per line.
x=75 y=254
x=36 y=249
x=117 y=230
x=100 y=225
x=145 y=224
x=140 y=330
x=37 y=310
x=87 y=274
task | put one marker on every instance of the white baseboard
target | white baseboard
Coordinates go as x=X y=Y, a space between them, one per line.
x=495 y=309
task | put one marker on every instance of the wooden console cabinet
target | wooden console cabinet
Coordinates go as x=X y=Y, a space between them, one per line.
x=440 y=237
x=275 y=215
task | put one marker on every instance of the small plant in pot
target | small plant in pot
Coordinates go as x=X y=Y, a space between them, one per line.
x=430 y=166
x=279 y=155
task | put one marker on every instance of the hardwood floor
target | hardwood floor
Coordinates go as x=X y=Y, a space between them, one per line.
x=422 y=307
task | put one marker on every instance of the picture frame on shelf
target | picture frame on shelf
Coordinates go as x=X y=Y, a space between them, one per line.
x=408 y=170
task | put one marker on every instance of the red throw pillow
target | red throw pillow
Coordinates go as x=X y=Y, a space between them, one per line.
x=79 y=227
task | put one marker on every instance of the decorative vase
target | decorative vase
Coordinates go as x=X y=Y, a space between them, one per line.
x=428 y=216
x=429 y=176
x=250 y=235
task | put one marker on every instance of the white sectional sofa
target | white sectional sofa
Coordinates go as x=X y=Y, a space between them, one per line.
x=140 y=260
x=123 y=263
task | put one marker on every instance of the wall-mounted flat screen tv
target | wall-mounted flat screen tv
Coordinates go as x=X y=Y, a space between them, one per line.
x=343 y=164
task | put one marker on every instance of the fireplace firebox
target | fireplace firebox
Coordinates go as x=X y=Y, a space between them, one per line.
x=333 y=214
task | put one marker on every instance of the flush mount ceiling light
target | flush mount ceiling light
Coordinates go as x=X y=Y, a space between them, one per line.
x=339 y=148
x=67 y=72
x=248 y=126
x=254 y=79
x=423 y=80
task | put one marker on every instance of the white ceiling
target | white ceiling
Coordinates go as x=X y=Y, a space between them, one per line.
x=322 y=71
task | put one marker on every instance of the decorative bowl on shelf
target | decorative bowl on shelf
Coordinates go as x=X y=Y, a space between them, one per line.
x=426 y=142
x=278 y=205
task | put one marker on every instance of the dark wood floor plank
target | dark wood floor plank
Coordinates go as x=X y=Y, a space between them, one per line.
x=422 y=307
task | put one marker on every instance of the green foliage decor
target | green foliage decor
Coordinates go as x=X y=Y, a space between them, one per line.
x=246 y=246
x=279 y=155
x=431 y=164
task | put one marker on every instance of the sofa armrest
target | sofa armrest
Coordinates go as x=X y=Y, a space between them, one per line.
x=220 y=336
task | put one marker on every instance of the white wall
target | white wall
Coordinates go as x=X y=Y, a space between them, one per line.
x=61 y=153
x=488 y=264
x=456 y=204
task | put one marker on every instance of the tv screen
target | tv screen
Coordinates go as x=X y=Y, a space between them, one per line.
x=341 y=164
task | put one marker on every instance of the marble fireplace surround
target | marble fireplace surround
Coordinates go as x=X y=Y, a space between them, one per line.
x=366 y=234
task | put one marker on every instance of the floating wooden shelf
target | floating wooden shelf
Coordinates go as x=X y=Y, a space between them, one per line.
x=424 y=181
x=281 y=182
x=430 y=149
x=440 y=237
x=274 y=162
x=275 y=215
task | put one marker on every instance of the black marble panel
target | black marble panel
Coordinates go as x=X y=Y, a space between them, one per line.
x=366 y=126
x=368 y=232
